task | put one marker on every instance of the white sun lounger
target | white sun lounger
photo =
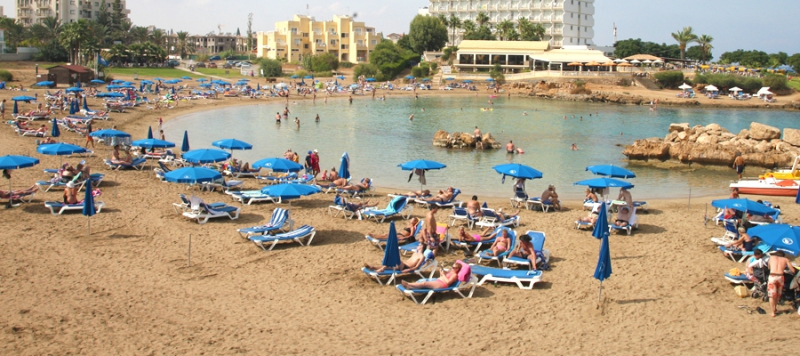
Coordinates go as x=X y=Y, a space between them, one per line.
x=279 y=220
x=250 y=196
x=202 y=211
x=524 y=279
x=392 y=275
x=428 y=293
x=56 y=208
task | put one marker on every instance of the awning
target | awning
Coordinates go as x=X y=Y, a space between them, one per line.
x=570 y=56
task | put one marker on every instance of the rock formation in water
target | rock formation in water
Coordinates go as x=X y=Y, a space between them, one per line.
x=462 y=140
x=761 y=145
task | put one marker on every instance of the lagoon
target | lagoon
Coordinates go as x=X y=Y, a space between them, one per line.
x=378 y=136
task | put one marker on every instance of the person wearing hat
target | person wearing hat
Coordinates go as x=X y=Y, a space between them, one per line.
x=307 y=165
x=315 y=163
x=70 y=193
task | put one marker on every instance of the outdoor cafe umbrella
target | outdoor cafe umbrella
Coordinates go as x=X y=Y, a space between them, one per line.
x=577 y=64
x=735 y=89
x=391 y=254
x=192 y=175
x=685 y=86
x=16 y=162
x=185 y=144
x=611 y=170
x=517 y=170
x=344 y=166
x=88 y=206
x=601 y=231
x=206 y=155
x=781 y=237
x=54 y=131
x=278 y=165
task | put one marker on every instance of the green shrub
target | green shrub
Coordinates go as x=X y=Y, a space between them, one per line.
x=271 y=67
x=775 y=82
x=670 y=79
x=727 y=81
x=5 y=75
x=367 y=70
x=346 y=64
x=420 y=72
x=323 y=74
x=301 y=73
x=497 y=73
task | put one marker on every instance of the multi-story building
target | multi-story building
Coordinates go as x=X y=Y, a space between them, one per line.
x=212 y=42
x=566 y=22
x=349 y=40
x=30 y=12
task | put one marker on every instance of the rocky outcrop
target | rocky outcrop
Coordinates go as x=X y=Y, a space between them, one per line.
x=462 y=140
x=714 y=145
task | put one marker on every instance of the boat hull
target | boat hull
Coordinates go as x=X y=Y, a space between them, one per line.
x=777 y=192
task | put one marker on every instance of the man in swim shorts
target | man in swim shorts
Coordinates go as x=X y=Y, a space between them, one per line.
x=411 y=264
x=478 y=138
x=549 y=196
x=510 y=147
x=777 y=265
x=429 y=236
x=738 y=164
x=474 y=207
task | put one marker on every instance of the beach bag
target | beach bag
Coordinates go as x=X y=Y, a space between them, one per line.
x=741 y=291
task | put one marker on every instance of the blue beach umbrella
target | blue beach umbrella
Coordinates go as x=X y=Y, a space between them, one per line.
x=186 y=77
x=308 y=77
x=743 y=205
x=24 y=98
x=205 y=85
x=88 y=205
x=409 y=77
x=54 y=131
x=489 y=79
x=16 y=162
x=290 y=190
x=97 y=81
x=602 y=183
x=192 y=175
x=113 y=86
x=110 y=95
x=157 y=78
x=449 y=78
x=73 y=90
x=206 y=155
x=294 y=76
x=467 y=81
x=185 y=144
x=152 y=143
x=232 y=144
x=149 y=132
x=202 y=80
x=45 y=83
x=421 y=164
x=426 y=79
x=344 y=166
x=107 y=133
x=85 y=107
x=517 y=170
x=278 y=165
x=370 y=79
x=610 y=170
x=603 y=269
x=391 y=254
x=781 y=237
x=117 y=81
x=59 y=149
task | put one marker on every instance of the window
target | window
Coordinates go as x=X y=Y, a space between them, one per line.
x=514 y=60
x=570 y=27
x=570 y=40
x=305 y=46
x=72 y=12
x=373 y=42
x=499 y=59
x=294 y=30
x=72 y=2
x=333 y=42
x=466 y=59
x=572 y=15
x=482 y=59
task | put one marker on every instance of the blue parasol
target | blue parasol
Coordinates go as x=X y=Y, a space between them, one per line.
x=611 y=170
x=85 y=107
x=186 y=77
x=294 y=76
x=97 y=81
x=59 y=149
x=24 y=98
x=370 y=79
x=743 y=205
x=45 y=83
x=206 y=155
x=16 y=109
x=467 y=81
x=149 y=132
x=489 y=79
x=192 y=175
x=409 y=77
x=421 y=164
x=109 y=133
x=185 y=145
x=73 y=90
x=55 y=132
x=344 y=166
x=202 y=80
x=88 y=205
x=601 y=183
x=17 y=162
x=517 y=171
x=290 y=190
x=278 y=165
x=232 y=144
x=781 y=237
x=391 y=253
x=152 y=143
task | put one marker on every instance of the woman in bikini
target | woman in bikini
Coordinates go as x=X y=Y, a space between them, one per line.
x=525 y=250
x=403 y=235
x=70 y=194
x=465 y=237
x=444 y=281
x=501 y=243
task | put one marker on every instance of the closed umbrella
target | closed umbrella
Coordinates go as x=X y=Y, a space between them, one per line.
x=610 y=170
x=88 y=206
x=603 y=269
x=149 y=132
x=54 y=131
x=206 y=155
x=85 y=107
x=185 y=145
x=278 y=165
x=391 y=254
x=192 y=175
x=344 y=166
x=16 y=109
x=781 y=237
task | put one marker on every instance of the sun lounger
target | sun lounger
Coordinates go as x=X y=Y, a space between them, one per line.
x=391 y=275
x=410 y=196
x=298 y=235
x=633 y=223
x=519 y=198
x=445 y=204
x=187 y=204
x=340 y=207
x=276 y=179
x=536 y=202
x=279 y=221
x=491 y=219
x=397 y=206
x=731 y=233
x=208 y=212
x=136 y=164
x=359 y=192
x=743 y=255
x=740 y=279
x=537 y=240
x=252 y=196
x=524 y=279
x=428 y=293
x=45 y=186
x=222 y=184
x=25 y=196
x=484 y=255
x=461 y=214
x=56 y=208
x=379 y=243
x=237 y=173
x=441 y=230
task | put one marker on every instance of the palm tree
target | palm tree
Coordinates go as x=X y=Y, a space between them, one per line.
x=184 y=46
x=455 y=23
x=482 y=19
x=504 y=29
x=704 y=42
x=72 y=37
x=118 y=52
x=139 y=34
x=684 y=37
x=158 y=38
x=469 y=27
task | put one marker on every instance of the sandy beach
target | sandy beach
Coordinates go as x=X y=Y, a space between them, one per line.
x=127 y=289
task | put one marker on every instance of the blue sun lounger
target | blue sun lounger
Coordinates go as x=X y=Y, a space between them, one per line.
x=206 y=211
x=524 y=279
x=461 y=214
x=743 y=255
x=294 y=235
x=392 y=275
x=740 y=279
x=537 y=240
x=397 y=206
x=457 y=287
x=279 y=220
x=491 y=219
x=445 y=204
x=484 y=255
x=411 y=247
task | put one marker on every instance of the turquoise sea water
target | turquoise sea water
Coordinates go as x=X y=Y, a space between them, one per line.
x=378 y=136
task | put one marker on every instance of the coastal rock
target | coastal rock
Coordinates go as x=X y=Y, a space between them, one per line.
x=444 y=139
x=679 y=127
x=760 y=131
x=706 y=138
x=791 y=136
x=648 y=149
x=671 y=137
x=745 y=133
x=682 y=135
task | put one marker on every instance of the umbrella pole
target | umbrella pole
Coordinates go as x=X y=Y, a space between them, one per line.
x=89 y=225
x=601 y=292
x=190 y=250
x=689 y=205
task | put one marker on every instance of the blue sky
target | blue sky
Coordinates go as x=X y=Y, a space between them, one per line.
x=734 y=24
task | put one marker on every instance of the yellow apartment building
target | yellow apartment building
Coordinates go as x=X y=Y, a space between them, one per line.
x=349 y=40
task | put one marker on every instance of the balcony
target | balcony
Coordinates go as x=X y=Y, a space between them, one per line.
x=43 y=4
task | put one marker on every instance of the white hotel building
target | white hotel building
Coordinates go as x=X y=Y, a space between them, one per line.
x=566 y=22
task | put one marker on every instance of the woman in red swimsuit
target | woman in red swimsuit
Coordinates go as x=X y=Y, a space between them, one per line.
x=444 y=281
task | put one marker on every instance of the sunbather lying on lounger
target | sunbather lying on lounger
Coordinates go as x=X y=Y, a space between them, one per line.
x=623 y=216
x=402 y=235
x=340 y=182
x=501 y=243
x=593 y=215
x=525 y=250
x=411 y=264
x=7 y=194
x=237 y=165
x=465 y=237
x=418 y=193
x=444 y=281
x=744 y=242
x=364 y=185
x=443 y=196
x=503 y=217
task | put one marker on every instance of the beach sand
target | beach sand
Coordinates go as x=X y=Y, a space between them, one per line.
x=127 y=289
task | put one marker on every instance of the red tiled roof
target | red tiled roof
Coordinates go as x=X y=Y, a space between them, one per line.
x=74 y=68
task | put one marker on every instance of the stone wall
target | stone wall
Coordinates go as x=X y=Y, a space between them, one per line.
x=761 y=145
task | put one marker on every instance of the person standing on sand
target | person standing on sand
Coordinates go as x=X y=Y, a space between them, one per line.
x=777 y=265
x=738 y=164
x=315 y=162
x=351 y=99
x=3 y=109
x=430 y=238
